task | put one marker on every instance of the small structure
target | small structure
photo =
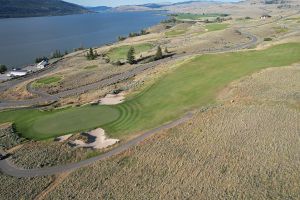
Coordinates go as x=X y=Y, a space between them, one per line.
x=17 y=73
x=42 y=64
x=265 y=16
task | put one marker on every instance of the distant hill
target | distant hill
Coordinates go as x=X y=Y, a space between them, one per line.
x=34 y=8
x=99 y=8
x=155 y=6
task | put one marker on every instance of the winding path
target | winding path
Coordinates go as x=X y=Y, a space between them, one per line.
x=44 y=98
x=8 y=168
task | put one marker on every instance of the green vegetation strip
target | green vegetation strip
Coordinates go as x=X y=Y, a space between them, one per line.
x=120 y=53
x=175 y=32
x=193 y=84
x=216 y=27
x=190 y=16
x=47 y=81
x=91 y=67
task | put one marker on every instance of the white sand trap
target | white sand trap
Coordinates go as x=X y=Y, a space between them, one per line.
x=63 y=138
x=112 y=99
x=100 y=142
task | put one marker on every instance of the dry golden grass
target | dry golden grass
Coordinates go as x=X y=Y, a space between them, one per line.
x=241 y=150
x=18 y=92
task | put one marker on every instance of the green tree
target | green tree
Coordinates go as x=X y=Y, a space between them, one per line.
x=92 y=55
x=121 y=38
x=57 y=54
x=3 y=69
x=130 y=55
x=40 y=59
x=158 y=54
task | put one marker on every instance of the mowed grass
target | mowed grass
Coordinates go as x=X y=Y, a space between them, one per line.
x=175 y=32
x=48 y=81
x=196 y=83
x=120 y=53
x=91 y=67
x=193 y=84
x=36 y=124
x=216 y=27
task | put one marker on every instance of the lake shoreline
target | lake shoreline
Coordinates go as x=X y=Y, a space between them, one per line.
x=15 y=53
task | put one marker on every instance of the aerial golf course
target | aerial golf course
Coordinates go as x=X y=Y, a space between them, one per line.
x=192 y=84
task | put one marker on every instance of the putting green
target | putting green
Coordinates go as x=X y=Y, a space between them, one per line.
x=32 y=123
x=193 y=84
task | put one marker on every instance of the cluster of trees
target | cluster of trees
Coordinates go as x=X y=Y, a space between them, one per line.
x=40 y=59
x=79 y=48
x=92 y=54
x=167 y=21
x=142 y=32
x=133 y=34
x=58 y=54
x=55 y=54
x=158 y=55
x=3 y=69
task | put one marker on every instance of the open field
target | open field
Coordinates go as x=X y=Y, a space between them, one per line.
x=26 y=188
x=248 y=149
x=191 y=85
x=241 y=143
x=120 y=53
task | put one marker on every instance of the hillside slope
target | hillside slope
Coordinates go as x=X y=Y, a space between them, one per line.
x=34 y=8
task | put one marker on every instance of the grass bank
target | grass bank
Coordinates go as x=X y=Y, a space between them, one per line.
x=193 y=84
x=52 y=80
x=216 y=27
x=120 y=53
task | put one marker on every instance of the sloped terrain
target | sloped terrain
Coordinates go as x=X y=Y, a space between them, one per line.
x=34 y=8
x=238 y=150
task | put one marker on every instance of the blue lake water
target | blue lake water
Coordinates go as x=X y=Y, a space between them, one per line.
x=24 y=39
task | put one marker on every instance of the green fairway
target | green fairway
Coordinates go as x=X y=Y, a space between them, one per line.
x=193 y=84
x=120 y=53
x=216 y=27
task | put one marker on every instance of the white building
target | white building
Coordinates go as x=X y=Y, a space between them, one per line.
x=42 y=64
x=16 y=73
x=265 y=16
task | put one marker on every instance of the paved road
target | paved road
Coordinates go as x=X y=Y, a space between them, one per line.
x=8 y=168
x=44 y=98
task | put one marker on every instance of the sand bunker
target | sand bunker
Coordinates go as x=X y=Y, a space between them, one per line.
x=63 y=138
x=100 y=141
x=112 y=99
